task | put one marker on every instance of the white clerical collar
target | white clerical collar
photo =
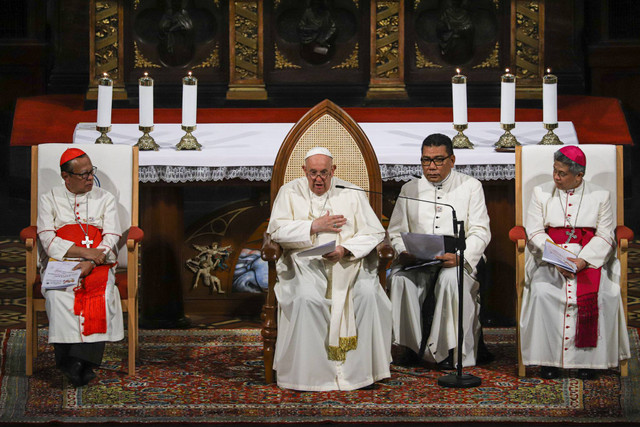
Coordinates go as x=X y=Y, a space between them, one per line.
x=576 y=189
x=441 y=184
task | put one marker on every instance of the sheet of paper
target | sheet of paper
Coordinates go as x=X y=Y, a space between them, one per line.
x=557 y=255
x=424 y=246
x=60 y=275
x=319 y=250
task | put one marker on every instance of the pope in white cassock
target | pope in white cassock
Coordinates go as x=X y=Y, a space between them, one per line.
x=334 y=319
x=439 y=284
x=79 y=222
x=572 y=320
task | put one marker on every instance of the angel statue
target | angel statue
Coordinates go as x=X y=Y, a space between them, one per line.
x=206 y=262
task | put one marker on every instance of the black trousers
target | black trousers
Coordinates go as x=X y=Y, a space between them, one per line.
x=89 y=352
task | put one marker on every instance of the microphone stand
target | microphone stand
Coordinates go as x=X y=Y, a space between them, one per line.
x=457 y=380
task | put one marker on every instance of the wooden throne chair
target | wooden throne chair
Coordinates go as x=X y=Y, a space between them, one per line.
x=534 y=166
x=117 y=173
x=325 y=125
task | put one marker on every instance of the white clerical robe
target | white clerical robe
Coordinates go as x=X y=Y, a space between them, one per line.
x=60 y=207
x=409 y=288
x=549 y=304
x=304 y=287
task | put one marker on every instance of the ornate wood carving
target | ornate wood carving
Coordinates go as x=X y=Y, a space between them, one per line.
x=106 y=37
x=527 y=46
x=246 y=50
x=387 y=50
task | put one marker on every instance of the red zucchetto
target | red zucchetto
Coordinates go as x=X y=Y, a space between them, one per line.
x=575 y=154
x=70 y=154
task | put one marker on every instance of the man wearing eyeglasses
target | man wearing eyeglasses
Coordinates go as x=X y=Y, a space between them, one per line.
x=425 y=299
x=334 y=321
x=79 y=222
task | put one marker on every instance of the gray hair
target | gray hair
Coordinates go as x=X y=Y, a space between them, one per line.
x=574 y=167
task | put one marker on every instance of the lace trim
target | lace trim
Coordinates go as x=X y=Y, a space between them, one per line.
x=175 y=174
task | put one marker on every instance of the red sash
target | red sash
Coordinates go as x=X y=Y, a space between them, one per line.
x=588 y=285
x=89 y=299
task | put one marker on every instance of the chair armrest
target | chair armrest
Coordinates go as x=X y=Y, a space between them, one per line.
x=134 y=237
x=385 y=250
x=623 y=233
x=28 y=235
x=271 y=251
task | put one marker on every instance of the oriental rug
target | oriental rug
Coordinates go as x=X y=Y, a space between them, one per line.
x=216 y=376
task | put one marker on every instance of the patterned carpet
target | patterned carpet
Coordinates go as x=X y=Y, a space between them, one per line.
x=216 y=375
x=210 y=374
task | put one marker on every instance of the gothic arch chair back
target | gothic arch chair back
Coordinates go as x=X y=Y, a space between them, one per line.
x=534 y=166
x=325 y=125
x=117 y=173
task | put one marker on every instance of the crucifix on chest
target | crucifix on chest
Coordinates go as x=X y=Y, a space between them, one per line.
x=571 y=234
x=87 y=242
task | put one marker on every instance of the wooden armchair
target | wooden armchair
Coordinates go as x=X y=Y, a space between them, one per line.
x=117 y=173
x=534 y=167
x=325 y=125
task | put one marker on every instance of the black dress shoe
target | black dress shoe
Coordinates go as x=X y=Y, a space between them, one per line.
x=88 y=375
x=549 y=372
x=447 y=364
x=586 y=374
x=73 y=371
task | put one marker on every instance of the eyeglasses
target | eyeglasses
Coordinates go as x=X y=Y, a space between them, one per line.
x=438 y=161
x=85 y=175
x=322 y=174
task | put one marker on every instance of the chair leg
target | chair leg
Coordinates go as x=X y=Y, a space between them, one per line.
x=624 y=368
x=131 y=334
x=31 y=343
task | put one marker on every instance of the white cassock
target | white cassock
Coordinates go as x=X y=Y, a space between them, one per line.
x=409 y=288
x=304 y=288
x=549 y=304
x=60 y=207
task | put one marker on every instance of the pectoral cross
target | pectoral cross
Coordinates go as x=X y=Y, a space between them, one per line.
x=87 y=242
x=571 y=234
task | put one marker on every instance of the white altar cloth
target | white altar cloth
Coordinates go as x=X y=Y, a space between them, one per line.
x=248 y=150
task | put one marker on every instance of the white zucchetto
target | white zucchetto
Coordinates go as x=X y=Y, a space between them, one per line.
x=318 y=150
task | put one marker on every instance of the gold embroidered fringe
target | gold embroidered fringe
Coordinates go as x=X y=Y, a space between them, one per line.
x=340 y=353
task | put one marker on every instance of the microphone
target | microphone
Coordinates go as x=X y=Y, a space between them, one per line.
x=453 y=210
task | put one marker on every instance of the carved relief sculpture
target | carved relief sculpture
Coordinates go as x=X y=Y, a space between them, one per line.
x=206 y=262
x=455 y=31
x=316 y=29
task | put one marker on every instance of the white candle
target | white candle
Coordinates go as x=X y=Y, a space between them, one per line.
x=549 y=98
x=459 y=90
x=105 y=95
x=189 y=100
x=145 y=95
x=507 y=98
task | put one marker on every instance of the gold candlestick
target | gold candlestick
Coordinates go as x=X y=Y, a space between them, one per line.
x=103 y=138
x=461 y=140
x=550 y=138
x=188 y=141
x=507 y=141
x=146 y=141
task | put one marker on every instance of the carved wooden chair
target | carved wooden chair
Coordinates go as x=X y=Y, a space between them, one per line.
x=117 y=173
x=534 y=167
x=325 y=125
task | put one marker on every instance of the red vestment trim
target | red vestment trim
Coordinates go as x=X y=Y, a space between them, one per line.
x=89 y=296
x=588 y=280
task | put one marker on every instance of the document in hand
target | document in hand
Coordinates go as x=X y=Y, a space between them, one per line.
x=557 y=255
x=319 y=250
x=425 y=247
x=60 y=275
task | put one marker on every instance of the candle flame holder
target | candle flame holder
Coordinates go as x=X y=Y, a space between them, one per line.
x=188 y=141
x=103 y=138
x=146 y=141
x=461 y=140
x=550 y=138
x=507 y=141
